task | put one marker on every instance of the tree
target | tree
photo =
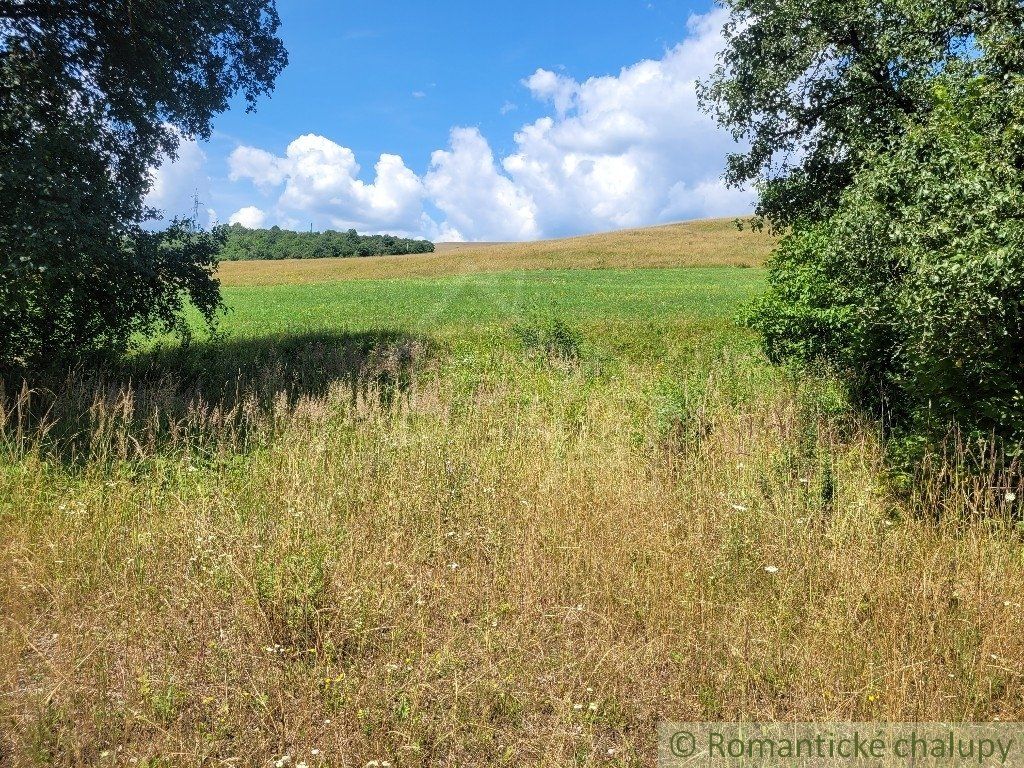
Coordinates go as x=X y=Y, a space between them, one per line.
x=914 y=288
x=814 y=86
x=93 y=93
x=886 y=138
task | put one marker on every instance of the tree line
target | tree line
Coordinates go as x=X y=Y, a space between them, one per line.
x=243 y=244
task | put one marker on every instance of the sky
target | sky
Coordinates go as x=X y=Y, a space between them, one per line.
x=458 y=120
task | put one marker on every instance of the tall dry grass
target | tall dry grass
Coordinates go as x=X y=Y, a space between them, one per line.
x=532 y=570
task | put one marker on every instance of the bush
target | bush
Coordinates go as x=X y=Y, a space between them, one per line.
x=53 y=311
x=914 y=288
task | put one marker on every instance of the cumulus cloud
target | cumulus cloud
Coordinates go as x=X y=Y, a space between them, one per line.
x=560 y=90
x=250 y=217
x=627 y=149
x=322 y=185
x=620 y=150
x=176 y=184
x=478 y=201
x=261 y=167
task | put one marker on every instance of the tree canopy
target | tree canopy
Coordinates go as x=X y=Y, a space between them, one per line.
x=813 y=87
x=93 y=95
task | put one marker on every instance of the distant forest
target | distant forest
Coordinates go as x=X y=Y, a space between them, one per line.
x=244 y=244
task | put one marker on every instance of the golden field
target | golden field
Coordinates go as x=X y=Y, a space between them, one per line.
x=517 y=537
x=714 y=242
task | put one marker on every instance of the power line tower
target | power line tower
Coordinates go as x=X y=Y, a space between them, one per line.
x=194 y=225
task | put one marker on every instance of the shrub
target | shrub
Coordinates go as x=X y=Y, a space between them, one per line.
x=913 y=288
x=82 y=305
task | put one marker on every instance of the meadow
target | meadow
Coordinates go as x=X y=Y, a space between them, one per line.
x=503 y=505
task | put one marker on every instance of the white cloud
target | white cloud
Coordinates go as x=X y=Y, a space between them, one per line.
x=264 y=169
x=177 y=184
x=621 y=150
x=628 y=149
x=479 y=202
x=250 y=217
x=550 y=86
x=321 y=185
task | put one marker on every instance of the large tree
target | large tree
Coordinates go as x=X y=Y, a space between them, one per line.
x=93 y=95
x=886 y=138
x=812 y=87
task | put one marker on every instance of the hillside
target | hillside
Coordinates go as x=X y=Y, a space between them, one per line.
x=712 y=242
x=478 y=518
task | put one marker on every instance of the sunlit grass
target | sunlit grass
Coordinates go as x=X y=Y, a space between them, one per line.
x=485 y=519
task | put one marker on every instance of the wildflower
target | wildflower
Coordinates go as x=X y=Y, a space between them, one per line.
x=611 y=751
x=577 y=707
x=314 y=752
x=302 y=764
x=738 y=507
x=453 y=566
x=771 y=569
x=593 y=706
x=283 y=761
x=1011 y=496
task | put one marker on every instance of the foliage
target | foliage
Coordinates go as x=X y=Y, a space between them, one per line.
x=914 y=287
x=884 y=137
x=93 y=94
x=244 y=244
x=141 y=285
x=813 y=87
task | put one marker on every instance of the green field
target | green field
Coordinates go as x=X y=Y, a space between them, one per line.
x=463 y=302
x=477 y=518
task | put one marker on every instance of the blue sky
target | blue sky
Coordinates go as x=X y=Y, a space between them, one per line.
x=468 y=120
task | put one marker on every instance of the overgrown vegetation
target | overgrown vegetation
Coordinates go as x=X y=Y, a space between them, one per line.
x=888 y=138
x=242 y=244
x=476 y=520
x=914 y=287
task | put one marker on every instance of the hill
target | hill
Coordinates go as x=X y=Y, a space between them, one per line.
x=705 y=243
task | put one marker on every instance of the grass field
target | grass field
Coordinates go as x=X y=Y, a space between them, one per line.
x=476 y=511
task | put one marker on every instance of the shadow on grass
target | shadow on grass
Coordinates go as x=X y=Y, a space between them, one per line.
x=212 y=396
